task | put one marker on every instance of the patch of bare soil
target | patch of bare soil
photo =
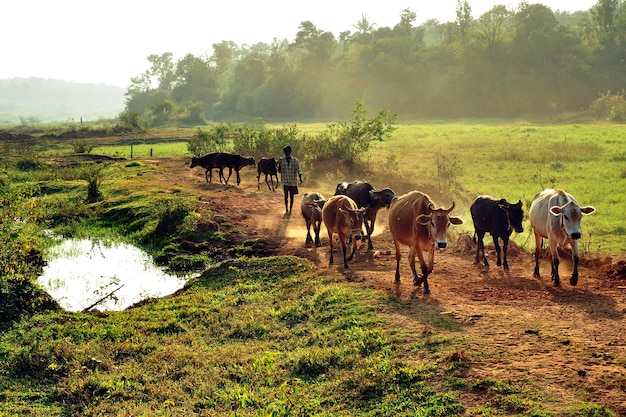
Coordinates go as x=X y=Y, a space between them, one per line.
x=569 y=343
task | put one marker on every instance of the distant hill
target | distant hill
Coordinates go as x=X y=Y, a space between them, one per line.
x=48 y=100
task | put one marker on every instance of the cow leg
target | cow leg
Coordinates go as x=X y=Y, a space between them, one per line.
x=538 y=240
x=206 y=175
x=398 y=256
x=238 y=177
x=330 y=238
x=345 y=249
x=505 y=247
x=416 y=280
x=556 y=280
x=497 y=245
x=230 y=172
x=574 y=278
x=309 y=239
x=316 y=229
x=268 y=184
x=353 y=249
x=369 y=228
x=481 y=248
x=426 y=269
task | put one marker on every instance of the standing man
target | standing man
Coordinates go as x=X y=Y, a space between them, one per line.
x=290 y=172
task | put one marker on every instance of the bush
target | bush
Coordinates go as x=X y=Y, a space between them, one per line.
x=214 y=140
x=347 y=141
x=612 y=106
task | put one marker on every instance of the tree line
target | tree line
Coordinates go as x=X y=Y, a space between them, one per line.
x=507 y=62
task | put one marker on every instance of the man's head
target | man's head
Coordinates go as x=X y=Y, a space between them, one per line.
x=287 y=150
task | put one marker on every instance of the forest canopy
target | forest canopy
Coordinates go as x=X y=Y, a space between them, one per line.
x=529 y=60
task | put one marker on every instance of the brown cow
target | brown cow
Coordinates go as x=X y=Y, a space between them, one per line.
x=311 y=207
x=341 y=216
x=415 y=222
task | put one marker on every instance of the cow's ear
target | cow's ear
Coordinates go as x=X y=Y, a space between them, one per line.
x=587 y=210
x=556 y=210
x=456 y=220
x=423 y=219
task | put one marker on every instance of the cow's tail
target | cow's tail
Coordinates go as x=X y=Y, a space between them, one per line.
x=474 y=237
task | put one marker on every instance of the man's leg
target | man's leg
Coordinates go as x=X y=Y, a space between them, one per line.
x=291 y=197
x=286 y=191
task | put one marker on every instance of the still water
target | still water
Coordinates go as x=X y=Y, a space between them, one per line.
x=82 y=271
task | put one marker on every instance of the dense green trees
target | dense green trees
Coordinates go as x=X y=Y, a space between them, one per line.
x=506 y=62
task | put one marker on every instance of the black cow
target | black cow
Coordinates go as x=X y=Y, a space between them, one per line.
x=207 y=162
x=267 y=166
x=364 y=195
x=231 y=161
x=499 y=218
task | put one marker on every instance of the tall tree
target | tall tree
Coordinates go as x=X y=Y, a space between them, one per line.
x=162 y=69
x=605 y=19
x=493 y=26
x=463 y=18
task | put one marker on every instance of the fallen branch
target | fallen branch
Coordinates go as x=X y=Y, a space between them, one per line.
x=85 y=310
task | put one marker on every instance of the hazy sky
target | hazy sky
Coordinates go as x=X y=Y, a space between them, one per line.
x=108 y=41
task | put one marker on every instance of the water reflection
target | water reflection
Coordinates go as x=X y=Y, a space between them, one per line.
x=81 y=272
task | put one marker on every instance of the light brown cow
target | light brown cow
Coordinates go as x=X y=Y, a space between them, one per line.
x=341 y=216
x=415 y=222
x=311 y=208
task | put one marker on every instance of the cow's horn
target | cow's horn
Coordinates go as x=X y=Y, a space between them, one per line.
x=451 y=207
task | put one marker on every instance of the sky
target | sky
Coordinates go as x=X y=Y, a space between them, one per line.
x=109 y=41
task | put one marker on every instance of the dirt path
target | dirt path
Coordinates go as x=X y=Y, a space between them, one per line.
x=568 y=342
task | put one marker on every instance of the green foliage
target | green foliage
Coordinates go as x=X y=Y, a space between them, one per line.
x=132 y=120
x=258 y=140
x=92 y=174
x=505 y=62
x=592 y=410
x=213 y=140
x=163 y=112
x=82 y=147
x=611 y=106
x=20 y=256
x=354 y=138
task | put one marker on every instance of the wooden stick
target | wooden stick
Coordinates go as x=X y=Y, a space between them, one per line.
x=102 y=299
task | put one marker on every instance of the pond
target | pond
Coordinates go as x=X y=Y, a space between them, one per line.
x=80 y=272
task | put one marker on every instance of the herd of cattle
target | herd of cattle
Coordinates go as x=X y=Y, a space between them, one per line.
x=416 y=222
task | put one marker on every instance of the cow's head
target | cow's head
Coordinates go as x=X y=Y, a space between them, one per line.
x=514 y=214
x=249 y=161
x=383 y=196
x=194 y=162
x=354 y=219
x=438 y=222
x=341 y=188
x=570 y=215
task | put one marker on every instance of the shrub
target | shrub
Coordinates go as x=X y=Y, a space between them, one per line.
x=611 y=105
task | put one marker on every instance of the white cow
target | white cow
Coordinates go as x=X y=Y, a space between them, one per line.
x=555 y=215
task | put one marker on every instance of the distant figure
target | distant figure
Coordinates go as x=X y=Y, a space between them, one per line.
x=290 y=172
